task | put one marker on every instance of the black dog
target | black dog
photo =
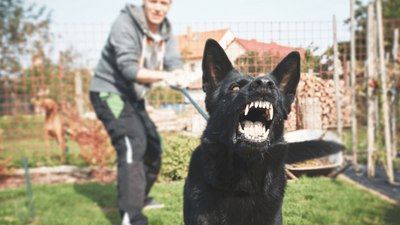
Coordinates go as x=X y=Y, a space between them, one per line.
x=237 y=175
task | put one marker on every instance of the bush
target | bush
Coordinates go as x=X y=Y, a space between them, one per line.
x=178 y=149
x=164 y=95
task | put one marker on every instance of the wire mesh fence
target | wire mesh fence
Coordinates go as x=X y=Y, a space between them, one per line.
x=60 y=70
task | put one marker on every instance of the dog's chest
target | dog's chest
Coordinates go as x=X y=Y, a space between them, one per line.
x=252 y=209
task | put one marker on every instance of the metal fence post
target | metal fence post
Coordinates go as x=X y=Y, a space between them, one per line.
x=29 y=188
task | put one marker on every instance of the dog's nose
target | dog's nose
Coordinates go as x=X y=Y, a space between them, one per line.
x=262 y=83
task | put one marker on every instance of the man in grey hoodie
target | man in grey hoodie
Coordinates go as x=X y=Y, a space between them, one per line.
x=139 y=51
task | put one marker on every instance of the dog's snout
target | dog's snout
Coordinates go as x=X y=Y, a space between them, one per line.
x=262 y=83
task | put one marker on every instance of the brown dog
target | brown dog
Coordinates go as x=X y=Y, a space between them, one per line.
x=53 y=125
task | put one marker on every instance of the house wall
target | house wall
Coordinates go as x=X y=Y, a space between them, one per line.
x=193 y=70
x=227 y=39
x=234 y=50
x=193 y=66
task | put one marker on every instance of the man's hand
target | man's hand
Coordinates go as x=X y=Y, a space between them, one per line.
x=178 y=78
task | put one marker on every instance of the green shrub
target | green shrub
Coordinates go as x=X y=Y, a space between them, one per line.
x=177 y=152
x=164 y=95
x=21 y=126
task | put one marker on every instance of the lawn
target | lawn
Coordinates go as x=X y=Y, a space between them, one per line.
x=308 y=201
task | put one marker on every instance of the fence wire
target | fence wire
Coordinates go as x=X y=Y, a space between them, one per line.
x=61 y=70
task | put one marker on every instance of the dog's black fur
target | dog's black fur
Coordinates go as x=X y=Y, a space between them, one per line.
x=234 y=180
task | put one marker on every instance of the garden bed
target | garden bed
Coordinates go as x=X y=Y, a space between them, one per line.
x=57 y=175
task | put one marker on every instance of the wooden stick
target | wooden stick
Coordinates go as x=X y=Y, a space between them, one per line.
x=371 y=97
x=385 y=104
x=394 y=91
x=341 y=170
x=353 y=87
x=336 y=78
x=291 y=175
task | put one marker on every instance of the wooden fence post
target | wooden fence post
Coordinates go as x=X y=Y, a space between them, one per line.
x=371 y=87
x=385 y=103
x=353 y=88
x=61 y=93
x=394 y=97
x=79 y=93
x=336 y=79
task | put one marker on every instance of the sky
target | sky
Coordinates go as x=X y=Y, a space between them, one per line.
x=84 y=24
x=105 y=11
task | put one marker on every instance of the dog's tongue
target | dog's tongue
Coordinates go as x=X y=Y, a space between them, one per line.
x=254 y=131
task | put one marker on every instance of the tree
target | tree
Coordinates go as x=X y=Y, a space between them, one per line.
x=391 y=16
x=23 y=29
x=390 y=10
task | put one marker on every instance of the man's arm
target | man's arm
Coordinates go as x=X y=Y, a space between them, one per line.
x=146 y=76
x=176 y=77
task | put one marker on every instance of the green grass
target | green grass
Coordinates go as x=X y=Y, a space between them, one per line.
x=308 y=201
x=34 y=149
x=324 y=201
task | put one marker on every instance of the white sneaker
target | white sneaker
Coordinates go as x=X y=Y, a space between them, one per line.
x=149 y=203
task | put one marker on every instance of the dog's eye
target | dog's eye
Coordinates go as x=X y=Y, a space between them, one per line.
x=235 y=88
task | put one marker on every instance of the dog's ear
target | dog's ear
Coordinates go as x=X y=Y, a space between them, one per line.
x=287 y=76
x=216 y=65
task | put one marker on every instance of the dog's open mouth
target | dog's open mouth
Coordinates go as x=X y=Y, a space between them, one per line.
x=255 y=121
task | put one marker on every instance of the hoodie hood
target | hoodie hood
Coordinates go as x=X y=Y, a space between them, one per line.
x=137 y=13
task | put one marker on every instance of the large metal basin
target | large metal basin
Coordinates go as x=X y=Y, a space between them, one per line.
x=330 y=163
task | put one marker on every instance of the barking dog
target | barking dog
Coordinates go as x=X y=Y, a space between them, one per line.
x=236 y=175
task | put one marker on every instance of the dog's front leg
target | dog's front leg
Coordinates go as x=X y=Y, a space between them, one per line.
x=47 y=140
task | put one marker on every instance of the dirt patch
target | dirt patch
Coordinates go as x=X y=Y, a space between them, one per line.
x=57 y=175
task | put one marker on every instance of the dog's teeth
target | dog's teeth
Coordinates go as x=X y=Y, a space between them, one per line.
x=251 y=105
x=240 y=128
x=246 y=111
x=271 y=112
x=247 y=126
x=264 y=105
x=258 y=126
x=254 y=131
x=268 y=105
x=266 y=134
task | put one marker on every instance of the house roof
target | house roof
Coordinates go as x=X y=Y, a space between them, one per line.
x=273 y=48
x=191 y=44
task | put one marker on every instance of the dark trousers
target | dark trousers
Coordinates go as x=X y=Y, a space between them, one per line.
x=137 y=144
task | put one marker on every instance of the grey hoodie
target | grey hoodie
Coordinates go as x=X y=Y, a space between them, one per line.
x=121 y=56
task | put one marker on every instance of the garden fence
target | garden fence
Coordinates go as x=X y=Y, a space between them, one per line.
x=61 y=70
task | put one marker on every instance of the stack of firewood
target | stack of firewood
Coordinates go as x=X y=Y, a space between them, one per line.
x=316 y=101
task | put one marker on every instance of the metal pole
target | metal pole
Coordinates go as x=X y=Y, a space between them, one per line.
x=29 y=187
